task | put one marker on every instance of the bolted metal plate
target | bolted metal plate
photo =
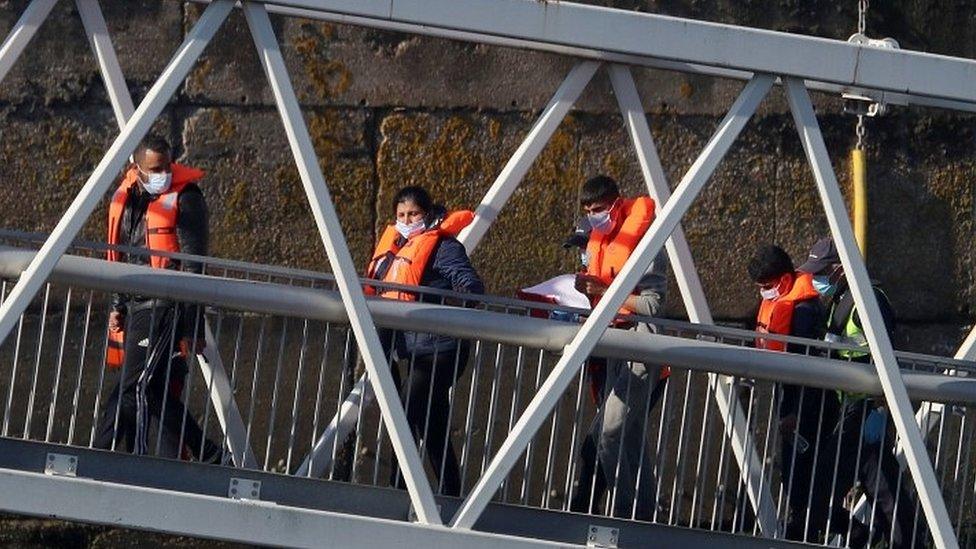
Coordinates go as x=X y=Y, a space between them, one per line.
x=242 y=488
x=63 y=465
x=602 y=536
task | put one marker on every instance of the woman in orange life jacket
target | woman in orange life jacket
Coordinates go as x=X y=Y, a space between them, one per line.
x=420 y=249
x=791 y=306
x=157 y=207
x=613 y=453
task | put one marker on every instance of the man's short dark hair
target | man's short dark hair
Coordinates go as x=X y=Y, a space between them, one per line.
x=155 y=143
x=769 y=263
x=598 y=189
x=416 y=194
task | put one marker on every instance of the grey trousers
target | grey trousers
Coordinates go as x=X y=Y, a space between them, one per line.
x=618 y=436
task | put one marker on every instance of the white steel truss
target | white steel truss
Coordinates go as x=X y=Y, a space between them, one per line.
x=599 y=34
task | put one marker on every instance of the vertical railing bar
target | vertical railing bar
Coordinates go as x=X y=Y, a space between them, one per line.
x=209 y=400
x=550 y=453
x=254 y=380
x=774 y=398
x=318 y=397
x=677 y=487
x=187 y=392
x=816 y=458
x=573 y=447
x=701 y=463
x=526 y=475
x=469 y=419
x=37 y=362
x=173 y=346
x=347 y=357
x=748 y=461
x=519 y=358
x=652 y=385
x=101 y=384
x=450 y=418
x=238 y=340
x=614 y=485
x=722 y=471
x=57 y=372
x=274 y=392
x=298 y=393
x=76 y=399
x=492 y=407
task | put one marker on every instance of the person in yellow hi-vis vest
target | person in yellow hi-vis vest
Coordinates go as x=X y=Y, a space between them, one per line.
x=866 y=455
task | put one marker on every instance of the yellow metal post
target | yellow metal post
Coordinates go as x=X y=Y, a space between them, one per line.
x=859 y=178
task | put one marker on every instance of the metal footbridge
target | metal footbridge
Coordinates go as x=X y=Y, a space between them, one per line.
x=294 y=383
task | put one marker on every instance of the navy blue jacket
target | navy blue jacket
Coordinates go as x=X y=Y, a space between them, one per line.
x=450 y=269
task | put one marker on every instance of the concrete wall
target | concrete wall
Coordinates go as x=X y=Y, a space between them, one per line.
x=386 y=110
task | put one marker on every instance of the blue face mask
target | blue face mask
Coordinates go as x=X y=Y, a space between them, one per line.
x=823 y=286
x=407 y=229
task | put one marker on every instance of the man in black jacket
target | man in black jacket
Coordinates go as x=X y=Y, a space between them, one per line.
x=157 y=207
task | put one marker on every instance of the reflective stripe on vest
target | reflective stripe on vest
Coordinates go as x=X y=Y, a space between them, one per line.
x=160 y=220
x=776 y=315
x=404 y=262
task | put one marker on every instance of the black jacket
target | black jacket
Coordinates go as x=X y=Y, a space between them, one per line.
x=191 y=232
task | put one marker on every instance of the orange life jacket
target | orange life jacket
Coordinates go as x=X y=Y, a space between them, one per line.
x=161 y=217
x=776 y=315
x=409 y=260
x=608 y=252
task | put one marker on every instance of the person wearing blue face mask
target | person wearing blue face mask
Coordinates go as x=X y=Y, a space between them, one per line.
x=158 y=207
x=420 y=249
x=866 y=450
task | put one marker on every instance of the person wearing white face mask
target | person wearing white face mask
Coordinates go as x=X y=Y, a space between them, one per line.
x=613 y=454
x=158 y=207
x=791 y=306
x=420 y=249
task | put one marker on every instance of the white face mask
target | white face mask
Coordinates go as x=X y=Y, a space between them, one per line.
x=157 y=183
x=770 y=294
x=407 y=229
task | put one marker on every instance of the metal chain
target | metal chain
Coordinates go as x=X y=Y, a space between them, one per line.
x=862 y=17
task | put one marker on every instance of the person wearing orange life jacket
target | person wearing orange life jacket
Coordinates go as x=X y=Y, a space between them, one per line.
x=613 y=454
x=420 y=249
x=157 y=207
x=791 y=306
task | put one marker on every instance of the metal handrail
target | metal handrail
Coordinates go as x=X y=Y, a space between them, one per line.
x=301 y=302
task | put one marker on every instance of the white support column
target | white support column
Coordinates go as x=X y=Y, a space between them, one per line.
x=25 y=29
x=867 y=305
x=111 y=164
x=582 y=344
x=347 y=278
x=343 y=423
x=693 y=295
x=520 y=162
x=225 y=407
x=108 y=63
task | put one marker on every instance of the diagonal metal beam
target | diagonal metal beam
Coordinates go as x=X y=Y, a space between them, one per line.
x=916 y=455
x=108 y=63
x=520 y=162
x=24 y=29
x=693 y=295
x=112 y=163
x=582 y=344
x=346 y=274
